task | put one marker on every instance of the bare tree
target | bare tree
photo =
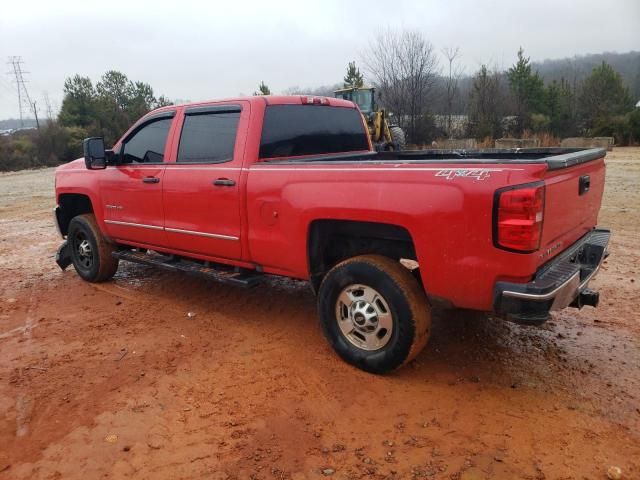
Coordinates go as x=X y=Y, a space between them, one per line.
x=574 y=76
x=451 y=81
x=321 y=91
x=404 y=68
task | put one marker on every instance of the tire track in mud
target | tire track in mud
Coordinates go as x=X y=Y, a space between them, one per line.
x=24 y=401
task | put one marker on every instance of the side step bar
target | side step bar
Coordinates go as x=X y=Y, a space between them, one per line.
x=228 y=275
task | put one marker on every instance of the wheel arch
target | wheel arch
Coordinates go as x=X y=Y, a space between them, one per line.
x=330 y=241
x=69 y=206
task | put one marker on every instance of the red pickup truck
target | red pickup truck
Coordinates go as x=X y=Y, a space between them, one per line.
x=289 y=185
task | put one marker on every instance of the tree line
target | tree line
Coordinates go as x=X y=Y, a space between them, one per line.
x=106 y=108
x=433 y=99
x=518 y=101
x=425 y=95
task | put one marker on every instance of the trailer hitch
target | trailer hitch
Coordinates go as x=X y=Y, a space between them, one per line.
x=586 y=297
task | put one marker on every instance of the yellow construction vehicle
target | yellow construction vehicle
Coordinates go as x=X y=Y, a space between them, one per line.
x=384 y=135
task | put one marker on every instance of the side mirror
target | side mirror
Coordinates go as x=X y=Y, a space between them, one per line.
x=95 y=157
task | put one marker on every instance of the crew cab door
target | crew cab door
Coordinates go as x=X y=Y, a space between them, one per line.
x=132 y=190
x=202 y=188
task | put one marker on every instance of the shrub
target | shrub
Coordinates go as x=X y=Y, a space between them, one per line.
x=17 y=152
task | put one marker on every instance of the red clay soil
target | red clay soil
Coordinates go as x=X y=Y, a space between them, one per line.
x=116 y=381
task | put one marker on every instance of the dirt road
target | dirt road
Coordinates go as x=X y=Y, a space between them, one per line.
x=116 y=381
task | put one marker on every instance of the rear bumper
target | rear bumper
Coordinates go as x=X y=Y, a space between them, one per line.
x=560 y=283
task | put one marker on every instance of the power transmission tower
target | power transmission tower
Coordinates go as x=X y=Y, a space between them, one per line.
x=23 y=94
x=47 y=103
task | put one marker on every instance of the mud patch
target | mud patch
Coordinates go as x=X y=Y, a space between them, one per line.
x=248 y=387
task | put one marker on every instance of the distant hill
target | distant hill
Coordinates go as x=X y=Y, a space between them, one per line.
x=580 y=66
x=13 y=123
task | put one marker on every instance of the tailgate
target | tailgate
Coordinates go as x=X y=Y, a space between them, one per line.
x=572 y=203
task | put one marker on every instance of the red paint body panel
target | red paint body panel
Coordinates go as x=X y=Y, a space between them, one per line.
x=123 y=185
x=569 y=216
x=267 y=214
x=449 y=221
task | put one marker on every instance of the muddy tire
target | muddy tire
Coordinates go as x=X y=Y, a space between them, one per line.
x=398 y=137
x=90 y=251
x=374 y=313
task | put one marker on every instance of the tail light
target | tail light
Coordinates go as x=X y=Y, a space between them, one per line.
x=518 y=216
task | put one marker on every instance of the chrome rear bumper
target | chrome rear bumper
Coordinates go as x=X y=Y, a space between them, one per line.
x=561 y=283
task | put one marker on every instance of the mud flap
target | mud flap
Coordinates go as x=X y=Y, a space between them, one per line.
x=63 y=255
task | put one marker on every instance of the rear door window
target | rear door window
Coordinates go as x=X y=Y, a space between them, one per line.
x=294 y=130
x=208 y=135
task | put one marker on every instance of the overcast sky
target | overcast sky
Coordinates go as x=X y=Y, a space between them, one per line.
x=211 y=49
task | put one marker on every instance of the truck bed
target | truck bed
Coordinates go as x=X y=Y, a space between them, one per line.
x=444 y=198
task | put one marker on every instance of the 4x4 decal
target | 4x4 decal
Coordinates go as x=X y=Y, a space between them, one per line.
x=477 y=173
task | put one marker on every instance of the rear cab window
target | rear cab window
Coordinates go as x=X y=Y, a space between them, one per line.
x=300 y=130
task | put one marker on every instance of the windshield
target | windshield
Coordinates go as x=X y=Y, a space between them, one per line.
x=363 y=98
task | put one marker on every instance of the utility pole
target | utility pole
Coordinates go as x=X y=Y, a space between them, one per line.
x=23 y=94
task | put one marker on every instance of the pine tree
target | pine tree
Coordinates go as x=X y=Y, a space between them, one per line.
x=527 y=89
x=559 y=103
x=354 y=78
x=602 y=96
x=110 y=107
x=79 y=103
x=262 y=90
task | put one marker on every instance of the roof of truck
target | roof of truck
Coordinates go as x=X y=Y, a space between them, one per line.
x=269 y=99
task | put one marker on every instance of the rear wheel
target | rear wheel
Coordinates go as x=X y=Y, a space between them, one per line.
x=398 y=137
x=374 y=313
x=90 y=251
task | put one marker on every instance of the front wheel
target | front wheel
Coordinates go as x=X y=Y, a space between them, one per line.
x=374 y=313
x=90 y=251
x=398 y=137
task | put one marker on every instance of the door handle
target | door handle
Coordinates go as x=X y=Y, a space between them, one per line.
x=224 y=182
x=151 y=180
